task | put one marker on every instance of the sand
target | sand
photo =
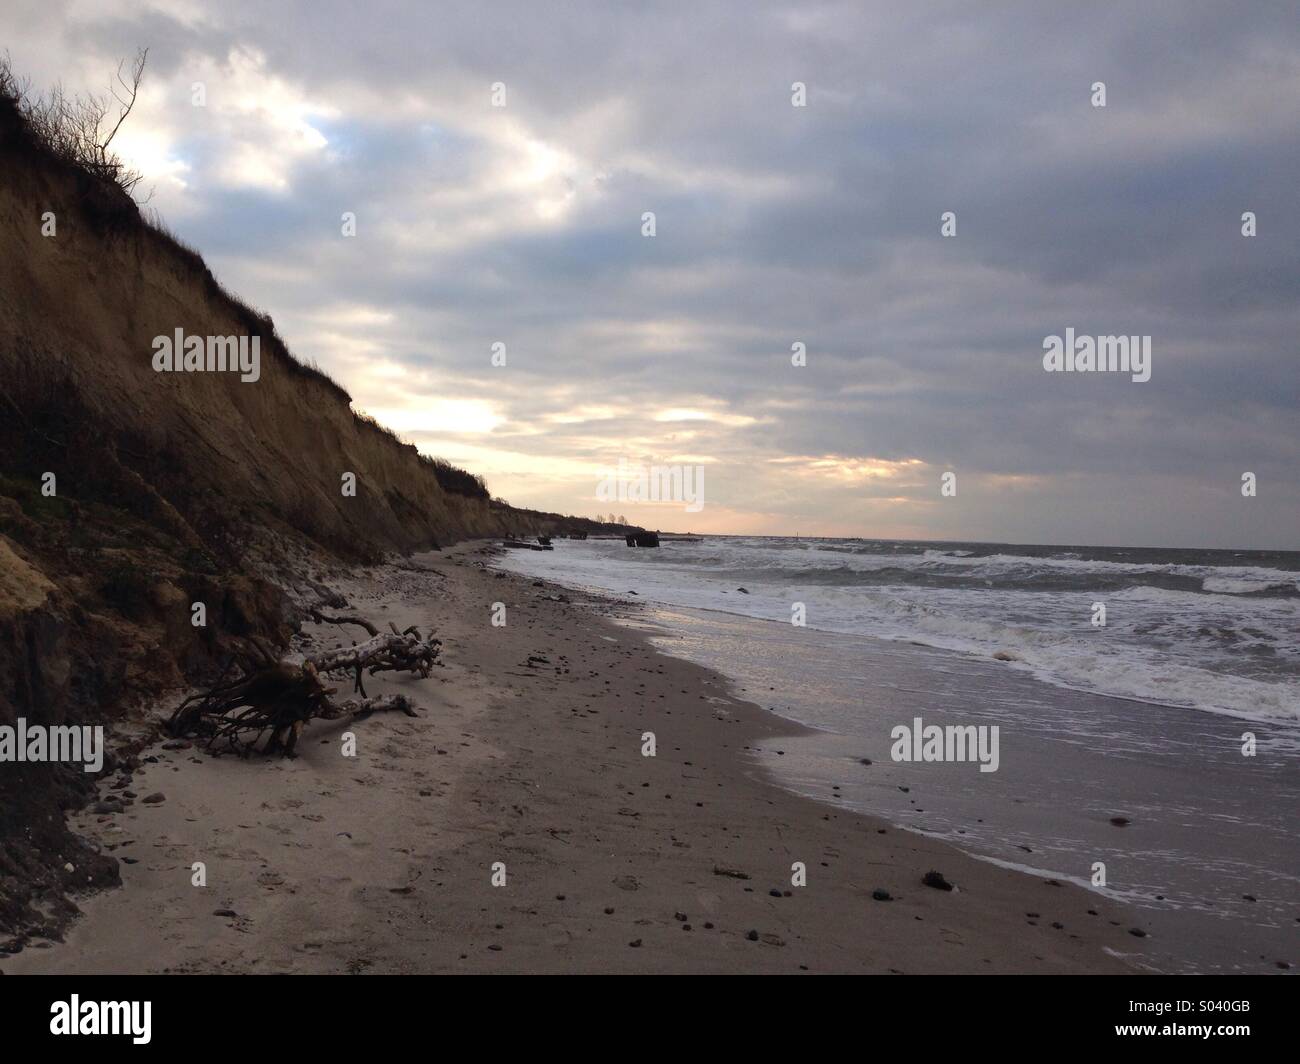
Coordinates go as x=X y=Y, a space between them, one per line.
x=613 y=861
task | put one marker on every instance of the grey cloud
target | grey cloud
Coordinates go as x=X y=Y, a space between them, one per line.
x=778 y=224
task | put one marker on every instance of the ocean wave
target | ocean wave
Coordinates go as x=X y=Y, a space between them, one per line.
x=1232 y=647
x=1054 y=572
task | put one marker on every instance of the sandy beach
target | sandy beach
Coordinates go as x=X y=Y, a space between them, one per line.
x=528 y=754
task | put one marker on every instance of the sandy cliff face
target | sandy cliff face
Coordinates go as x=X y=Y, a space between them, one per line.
x=167 y=489
x=79 y=312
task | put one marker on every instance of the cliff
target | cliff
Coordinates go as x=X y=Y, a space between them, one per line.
x=127 y=494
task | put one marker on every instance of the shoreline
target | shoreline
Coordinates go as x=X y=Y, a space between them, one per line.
x=1085 y=778
x=1190 y=835
x=614 y=862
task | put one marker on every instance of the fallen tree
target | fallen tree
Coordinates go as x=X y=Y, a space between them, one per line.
x=279 y=697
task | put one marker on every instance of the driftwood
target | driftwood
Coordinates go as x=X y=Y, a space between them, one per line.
x=399 y=652
x=280 y=697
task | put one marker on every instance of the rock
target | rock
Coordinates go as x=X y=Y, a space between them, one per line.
x=154 y=799
x=1120 y=821
x=625 y=882
x=936 y=880
x=752 y=936
x=1002 y=655
x=230 y=913
x=742 y=591
x=1137 y=932
x=730 y=873
x=177 y=744
x=881 y=895
x=635 y=943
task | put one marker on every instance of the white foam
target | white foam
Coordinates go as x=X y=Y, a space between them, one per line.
x=1217 y=652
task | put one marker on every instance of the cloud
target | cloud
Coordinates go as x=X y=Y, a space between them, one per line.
x=820 y=225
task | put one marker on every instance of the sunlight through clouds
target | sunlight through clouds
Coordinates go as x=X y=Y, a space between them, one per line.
x=776 y=225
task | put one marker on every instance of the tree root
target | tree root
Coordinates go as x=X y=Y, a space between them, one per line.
x=280 y=698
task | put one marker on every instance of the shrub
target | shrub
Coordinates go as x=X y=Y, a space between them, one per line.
x=79 y=130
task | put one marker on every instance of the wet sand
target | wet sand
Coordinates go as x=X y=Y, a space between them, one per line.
x=528 y=755
x=1205 y=847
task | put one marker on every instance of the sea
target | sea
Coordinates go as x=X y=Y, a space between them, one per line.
x=1147 y=701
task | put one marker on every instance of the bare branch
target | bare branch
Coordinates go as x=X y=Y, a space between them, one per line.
x=137 y=73
x=73 y=128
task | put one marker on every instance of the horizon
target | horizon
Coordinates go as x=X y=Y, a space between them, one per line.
x=801 y=167
x=977 y=542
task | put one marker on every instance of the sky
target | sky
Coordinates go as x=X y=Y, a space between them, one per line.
x=499 y=161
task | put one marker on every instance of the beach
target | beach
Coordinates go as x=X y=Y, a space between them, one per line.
x=1152 y=761
x=526 y=766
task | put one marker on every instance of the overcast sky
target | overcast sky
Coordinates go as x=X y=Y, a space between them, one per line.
x=775 y=225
